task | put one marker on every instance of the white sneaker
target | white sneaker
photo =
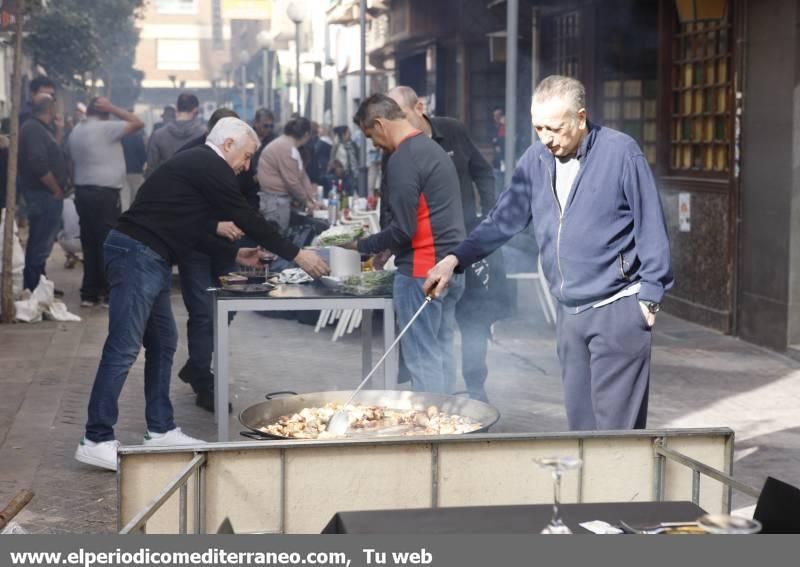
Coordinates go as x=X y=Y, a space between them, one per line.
x=102 y=455
x=172 y=438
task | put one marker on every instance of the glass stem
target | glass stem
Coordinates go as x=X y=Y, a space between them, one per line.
x=556 y=496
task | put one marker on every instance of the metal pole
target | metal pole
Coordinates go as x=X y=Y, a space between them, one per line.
x=6 y=287
x=244 y=92
x=512 y=27
x=270 y=101
x=362 y=93
x=265 y=78
x=535 y=56
x=297 y=65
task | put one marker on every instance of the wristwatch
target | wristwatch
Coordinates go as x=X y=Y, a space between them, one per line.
x=652 y=306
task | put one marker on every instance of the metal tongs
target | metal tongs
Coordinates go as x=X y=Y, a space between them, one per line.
x=340 y=421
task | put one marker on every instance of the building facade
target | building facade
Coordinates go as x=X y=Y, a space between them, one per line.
x=707 y=88
x=184 y=45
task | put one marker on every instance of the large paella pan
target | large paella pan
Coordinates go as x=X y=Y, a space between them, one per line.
x=377 y=413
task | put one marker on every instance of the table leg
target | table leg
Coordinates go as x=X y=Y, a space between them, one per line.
x=391 y=364
x=221 y=370
x=366 y=342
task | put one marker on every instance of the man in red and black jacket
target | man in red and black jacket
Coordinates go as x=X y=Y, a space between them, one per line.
x=427 y=223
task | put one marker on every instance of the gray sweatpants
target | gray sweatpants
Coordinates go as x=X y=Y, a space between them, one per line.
x=605 y=362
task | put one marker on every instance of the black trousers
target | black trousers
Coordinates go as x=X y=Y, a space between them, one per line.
x=98 y=209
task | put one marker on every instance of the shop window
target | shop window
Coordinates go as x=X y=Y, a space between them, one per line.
x=630 y=106
x=702 y=87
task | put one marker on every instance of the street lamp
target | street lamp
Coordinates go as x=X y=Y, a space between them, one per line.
x=265 y=40
x=296 y=13
x=244 y=59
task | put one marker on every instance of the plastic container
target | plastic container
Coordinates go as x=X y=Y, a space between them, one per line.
x=344 y=262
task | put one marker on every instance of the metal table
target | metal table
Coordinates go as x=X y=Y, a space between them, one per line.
x=300 y=297
x=528 y=519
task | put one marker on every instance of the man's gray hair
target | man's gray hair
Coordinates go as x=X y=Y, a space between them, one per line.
x=407 y=95
x=564 y=88
x=233 y=128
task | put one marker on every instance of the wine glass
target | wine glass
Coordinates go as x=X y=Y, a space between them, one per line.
x=558 y=466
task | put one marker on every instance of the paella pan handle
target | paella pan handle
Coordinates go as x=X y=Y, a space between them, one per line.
x=461 y=393
x=253 y=435
x=280 y=393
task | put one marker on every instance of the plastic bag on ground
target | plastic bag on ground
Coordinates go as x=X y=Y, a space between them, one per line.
x=13 y=528
x=42 y=304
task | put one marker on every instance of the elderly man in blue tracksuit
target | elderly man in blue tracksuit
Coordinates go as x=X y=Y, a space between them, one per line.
x=590 y=194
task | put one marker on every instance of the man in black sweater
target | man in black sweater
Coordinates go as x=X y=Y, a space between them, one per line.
x=175 y=212
x=425 y=205
x=486 y=295
x=199 y=271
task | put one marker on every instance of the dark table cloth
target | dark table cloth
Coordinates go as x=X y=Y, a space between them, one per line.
x=507 y=519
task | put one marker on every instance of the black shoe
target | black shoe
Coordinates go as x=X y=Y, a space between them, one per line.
x=205 y=400
x=199 y=380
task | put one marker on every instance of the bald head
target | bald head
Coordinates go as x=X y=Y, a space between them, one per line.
x=408 y=101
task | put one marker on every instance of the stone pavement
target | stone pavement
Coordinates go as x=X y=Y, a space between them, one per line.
x=700 y=378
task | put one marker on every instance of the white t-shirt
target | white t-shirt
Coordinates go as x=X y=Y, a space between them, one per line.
x=566 y=172
x=96 y=150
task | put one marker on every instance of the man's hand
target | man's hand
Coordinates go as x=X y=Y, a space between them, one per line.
x=440 y=275
x=251 y=257
x=312 y=264
x=649 y=317
x=226 y=229
x=380 y=259
x=58 y=194
x=102 y=104
x=352 y=245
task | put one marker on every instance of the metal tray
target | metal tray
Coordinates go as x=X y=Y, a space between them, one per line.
x=249 y=288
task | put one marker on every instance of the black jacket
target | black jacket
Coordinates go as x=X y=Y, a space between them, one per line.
x=247 y=183
x=39 y=153
x=176 y=206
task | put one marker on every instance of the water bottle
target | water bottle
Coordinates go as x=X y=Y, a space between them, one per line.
x=333 y=209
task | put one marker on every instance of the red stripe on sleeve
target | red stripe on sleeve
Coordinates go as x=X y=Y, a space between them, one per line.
x=422 y=243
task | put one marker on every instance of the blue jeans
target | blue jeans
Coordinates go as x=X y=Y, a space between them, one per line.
x=198 y=273
x=428 y=344
x=44 y=215
x=139 y=315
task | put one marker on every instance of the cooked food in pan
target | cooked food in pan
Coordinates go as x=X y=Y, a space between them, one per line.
x=311 y=423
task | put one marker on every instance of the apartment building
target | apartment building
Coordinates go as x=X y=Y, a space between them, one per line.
x=185 y=45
